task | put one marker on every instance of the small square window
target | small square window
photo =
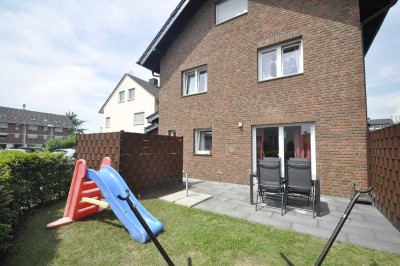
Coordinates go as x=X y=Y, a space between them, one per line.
x=131 y=94
x=121 y=96
x=172 y=133
x=195 y=81
x=228 y=9
x=138 y=118
x=203 y=141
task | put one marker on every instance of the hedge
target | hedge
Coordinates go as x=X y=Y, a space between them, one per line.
x=29 y=180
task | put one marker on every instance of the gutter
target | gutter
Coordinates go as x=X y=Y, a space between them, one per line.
x=380 y=12
x=164 y=29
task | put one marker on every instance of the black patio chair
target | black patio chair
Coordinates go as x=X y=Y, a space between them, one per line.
x=269 y=180
x=299 y=182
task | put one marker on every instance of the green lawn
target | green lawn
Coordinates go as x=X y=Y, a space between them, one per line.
x=202 y=237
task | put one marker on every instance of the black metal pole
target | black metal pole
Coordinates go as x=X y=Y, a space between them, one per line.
x=341 y=223
x=147 y=228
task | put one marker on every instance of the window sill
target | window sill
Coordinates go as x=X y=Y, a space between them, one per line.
x=282 y=77
x=131 y=99
x=202 y=154
x=193 y=94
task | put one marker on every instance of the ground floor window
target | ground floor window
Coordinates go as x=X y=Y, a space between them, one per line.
x=203 y=141
x=285 y=141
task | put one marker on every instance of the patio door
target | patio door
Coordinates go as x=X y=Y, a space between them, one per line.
x=285 y=141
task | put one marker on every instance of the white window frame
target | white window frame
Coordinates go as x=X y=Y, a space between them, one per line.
x=121 y=96
x=58 y=130
x=129 y=94
x=172 y=133
x=243 y=9
x=3 y=125
x=3 y=136
x=33 y=128
x=196 y=72
x=281 y=146
x=197 y=136
x=108 y=122
x=135 y=122
x=32 y=136
x=16 y=136
x=279 y=60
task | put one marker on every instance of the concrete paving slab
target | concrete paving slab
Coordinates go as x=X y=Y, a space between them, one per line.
x=189 y=199
x=367 y=227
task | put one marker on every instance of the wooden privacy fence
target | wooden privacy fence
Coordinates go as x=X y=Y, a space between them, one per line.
x=148 y=163
x=384 y=171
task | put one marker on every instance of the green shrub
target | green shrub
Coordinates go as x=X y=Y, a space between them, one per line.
x=53 y=144
x=28 y=180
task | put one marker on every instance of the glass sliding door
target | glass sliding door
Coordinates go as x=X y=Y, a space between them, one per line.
x=285 y=142
x=297 y=142
x=267 y=142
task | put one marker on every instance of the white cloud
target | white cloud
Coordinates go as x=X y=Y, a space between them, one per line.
x=60 y=56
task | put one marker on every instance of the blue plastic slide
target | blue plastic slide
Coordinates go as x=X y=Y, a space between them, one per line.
x=112 y=185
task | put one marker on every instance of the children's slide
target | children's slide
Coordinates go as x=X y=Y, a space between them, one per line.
x=112 y=185
x=85 y=194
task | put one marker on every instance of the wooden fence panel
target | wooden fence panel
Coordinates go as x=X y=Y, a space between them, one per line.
x=384 y=171
x=148 y=163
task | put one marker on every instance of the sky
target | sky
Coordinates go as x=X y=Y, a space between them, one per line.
x=58 y=56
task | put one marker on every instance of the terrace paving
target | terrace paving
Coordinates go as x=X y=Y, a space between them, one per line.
x=365 y=227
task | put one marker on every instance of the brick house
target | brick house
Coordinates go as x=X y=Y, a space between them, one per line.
x=129 y=104
x=25 y=128
x=242 y=80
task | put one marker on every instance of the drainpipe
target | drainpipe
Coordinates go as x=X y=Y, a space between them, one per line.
x=24 y=136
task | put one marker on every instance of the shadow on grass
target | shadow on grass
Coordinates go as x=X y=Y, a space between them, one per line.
x=33 y=243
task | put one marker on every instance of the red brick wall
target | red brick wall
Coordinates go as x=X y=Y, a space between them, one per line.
x=384 y=171
x=330 y=93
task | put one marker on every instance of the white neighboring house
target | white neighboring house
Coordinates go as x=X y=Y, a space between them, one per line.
x=129 y=104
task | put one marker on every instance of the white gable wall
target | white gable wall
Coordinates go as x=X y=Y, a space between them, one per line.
x=121 y=113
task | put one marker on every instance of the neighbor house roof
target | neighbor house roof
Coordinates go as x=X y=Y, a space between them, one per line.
x=372 y=15
x=153 y=90
x=380 y=121
x=27 y=117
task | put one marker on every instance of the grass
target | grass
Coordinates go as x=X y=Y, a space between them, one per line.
x=192 y=235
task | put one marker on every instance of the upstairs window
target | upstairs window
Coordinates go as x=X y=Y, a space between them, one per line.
x=195 y=81
x=108 y=122
x=121 y=96
x=203 y=141
x=280 y=61
x=228 y=9
x=58 y=130
x=131 y=94
x=3 y=125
